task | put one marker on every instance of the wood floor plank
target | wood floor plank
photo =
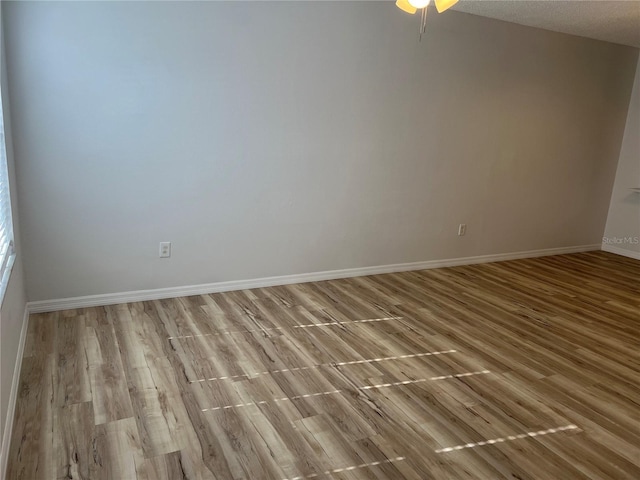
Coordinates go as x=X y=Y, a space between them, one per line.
x=73 y=385
x=117 y=451
x=74 y=428
x=528 y=369
x=33 y=443
x=111 y=399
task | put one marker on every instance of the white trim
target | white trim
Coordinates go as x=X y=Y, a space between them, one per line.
x=160 y=293
x=13 y=396
x=5 y=271
x=620 y=251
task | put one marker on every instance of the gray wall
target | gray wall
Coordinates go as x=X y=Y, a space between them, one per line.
x=272 y=138
x=623 y=223
x=14 y=301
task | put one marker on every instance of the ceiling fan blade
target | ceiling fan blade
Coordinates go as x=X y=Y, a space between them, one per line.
x=442 y=5
x=405 y=6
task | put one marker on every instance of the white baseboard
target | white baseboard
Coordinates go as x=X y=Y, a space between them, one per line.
x=620 y=251
x=160 y=293
x=13 y=397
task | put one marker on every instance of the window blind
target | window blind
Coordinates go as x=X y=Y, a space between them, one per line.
x=6 y=224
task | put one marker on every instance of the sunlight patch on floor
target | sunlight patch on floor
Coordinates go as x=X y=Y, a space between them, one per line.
x=308 y=325
x=319 y=365
x=507 y=439
x=347 y=469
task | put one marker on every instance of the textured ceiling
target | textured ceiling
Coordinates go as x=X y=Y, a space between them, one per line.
x=609 y=20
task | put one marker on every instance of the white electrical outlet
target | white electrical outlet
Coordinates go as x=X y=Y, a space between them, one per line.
x=165 y=249
x=462 y=229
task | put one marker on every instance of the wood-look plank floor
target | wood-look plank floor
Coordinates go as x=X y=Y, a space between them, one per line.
x=526 y=369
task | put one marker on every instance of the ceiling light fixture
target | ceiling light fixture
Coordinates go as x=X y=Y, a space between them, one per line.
x=419 y=3
x=412 y=6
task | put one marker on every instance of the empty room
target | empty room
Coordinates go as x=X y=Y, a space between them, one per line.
x=289 y=240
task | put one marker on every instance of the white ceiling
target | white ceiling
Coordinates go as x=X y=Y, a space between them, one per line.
x=609 y=20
